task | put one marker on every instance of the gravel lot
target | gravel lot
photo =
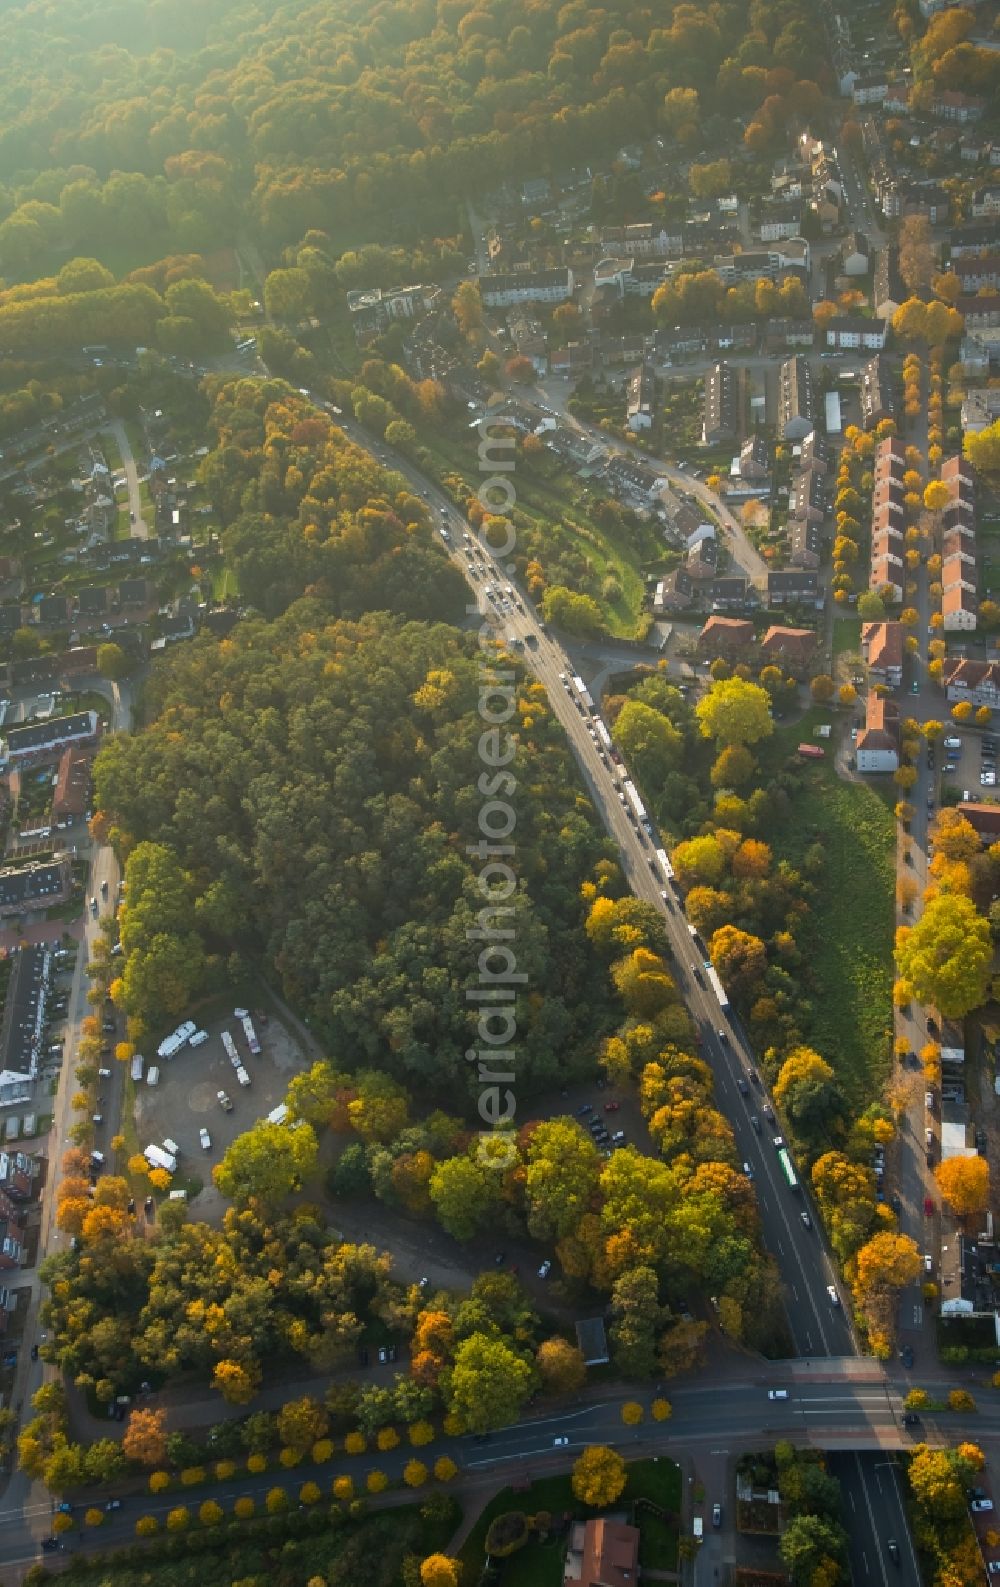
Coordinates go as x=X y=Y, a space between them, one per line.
x=186 y=1100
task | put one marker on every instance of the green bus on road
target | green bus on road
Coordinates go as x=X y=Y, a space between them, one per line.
x=787 y=1169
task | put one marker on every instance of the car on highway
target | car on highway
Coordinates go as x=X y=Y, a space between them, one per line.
x=778 y=1142
x=806 y=1221
x=893 y=1548
x=981 y=1506
x=755 y=1123
x=777 y=1394
x=748 y=1170
x=205 y=1139
x=742 y=1087
x=723 y=1035
x=832 y=1293
x=112 y=1504
x=560 y=1442
x=717 y=1515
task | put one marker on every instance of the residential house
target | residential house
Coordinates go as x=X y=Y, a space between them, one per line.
x=985 y=204
x=790 y=256
x=883 y=647
x=806 y=497
x=680 y=342
x=888 y=290
x=793 y=648
x=631 y=481
x=373 y=309
x=780 y=221
x=856 y=254
x=974 y=356
x=12 y=1235
x=36 y=885
x=981 y=311
x=805 y=543
x=725 y=636
x=71 y=799
x=971 y=239
x=529 y=286
x=602 y=1552
x=959 y=607
x=675 y=593
x=978 y=270
x=950 y=105
x=134 y=592
x=980 y=409
x=814 y=453
x=640 y=399
x=574 y=358
x=878 y=401
x=77 y=662
x=959 y=599
x=755 y=458
x=53 y=611
x=22 y=1027
x=92 y=601
x=784 y=333
x=24 y=744
x=535 y=192
x=703 y=555
x=877 y=748
x=796 y=411
x=16 y=1175
x=792 y=587
x=529 y=339
x=984 y=819
x=975 y=681
x=720 y=413
x=870 y=89
x=731 y=592
x=849 y=331
x=641 y=240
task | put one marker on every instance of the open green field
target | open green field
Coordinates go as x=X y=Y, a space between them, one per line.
x=846 y=939
x=846 y=636
x=560 y=499
x=541 y=1564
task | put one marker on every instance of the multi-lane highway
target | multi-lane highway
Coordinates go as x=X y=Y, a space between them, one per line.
x=817 y=1317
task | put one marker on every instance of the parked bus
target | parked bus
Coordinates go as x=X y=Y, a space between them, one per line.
x=787 y=1169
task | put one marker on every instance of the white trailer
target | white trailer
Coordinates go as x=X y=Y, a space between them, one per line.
x=603 y=736
x=712 y=977
x=243 y=1015
x=232 y=1052
x=665 y=865
x=631 y=794
x=583 y=693
x=137 y=1063
x=156 y=1157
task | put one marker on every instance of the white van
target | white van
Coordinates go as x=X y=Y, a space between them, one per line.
x=199 y=1038
x=952 y=743
x=178 y=1195
x=171 y=1146
x=153 y=1078
x=242 y=1076
x=777 y=1394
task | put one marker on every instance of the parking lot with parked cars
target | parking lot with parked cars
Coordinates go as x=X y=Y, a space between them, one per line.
x=198 y=1103
x=967 y=763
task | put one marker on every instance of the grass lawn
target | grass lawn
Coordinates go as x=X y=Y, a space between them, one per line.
x=846 y=939
x=541 y=1564
x=846 y=636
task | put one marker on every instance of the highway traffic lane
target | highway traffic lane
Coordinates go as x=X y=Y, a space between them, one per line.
x=806 y=1270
